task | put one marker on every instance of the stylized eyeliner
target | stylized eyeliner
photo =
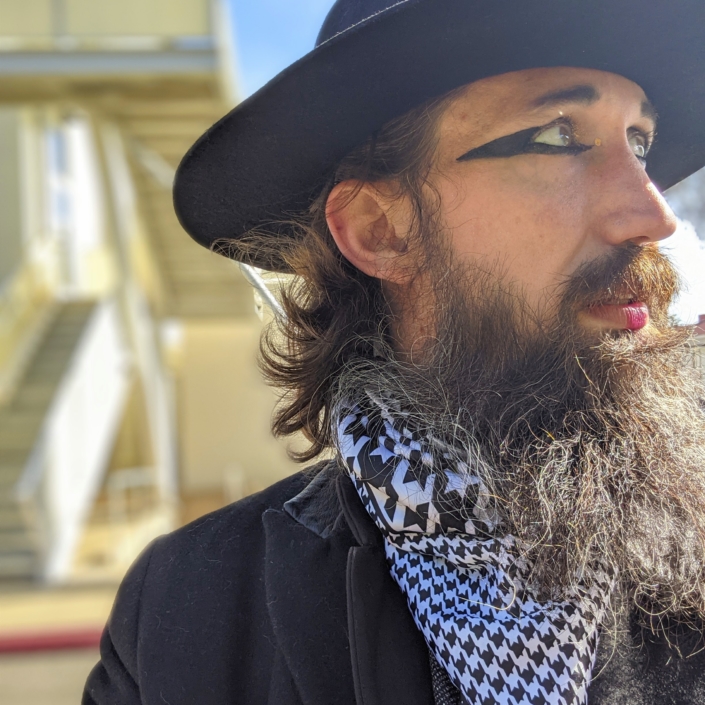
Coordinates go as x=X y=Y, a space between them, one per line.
x=521 y=143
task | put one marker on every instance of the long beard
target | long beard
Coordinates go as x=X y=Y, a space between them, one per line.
x=592 y=445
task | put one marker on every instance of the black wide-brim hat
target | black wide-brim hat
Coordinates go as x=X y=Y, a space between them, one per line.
x=376 y=59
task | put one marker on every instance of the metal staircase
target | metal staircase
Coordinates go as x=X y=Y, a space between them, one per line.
x=157 y=133
x=20 y=422
x=140 y=85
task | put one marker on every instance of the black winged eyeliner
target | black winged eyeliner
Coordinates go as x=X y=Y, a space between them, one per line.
x=520 y=143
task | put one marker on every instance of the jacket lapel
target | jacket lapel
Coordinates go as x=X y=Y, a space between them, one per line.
x=305 y=588
x=341 y=623
x=390 y=659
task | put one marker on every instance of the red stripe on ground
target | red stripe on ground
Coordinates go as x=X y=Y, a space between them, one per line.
x=50 y=641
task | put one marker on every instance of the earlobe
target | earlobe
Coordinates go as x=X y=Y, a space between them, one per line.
x=360 y=220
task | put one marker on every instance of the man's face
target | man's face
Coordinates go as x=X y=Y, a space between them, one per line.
x=542 y=171
x=581 y=403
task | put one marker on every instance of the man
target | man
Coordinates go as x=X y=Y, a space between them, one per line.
x=478 y=334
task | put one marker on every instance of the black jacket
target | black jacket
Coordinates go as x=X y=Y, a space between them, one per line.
x=285 y=599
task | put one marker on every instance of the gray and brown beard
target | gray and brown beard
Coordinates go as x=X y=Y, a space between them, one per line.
x=592 y=444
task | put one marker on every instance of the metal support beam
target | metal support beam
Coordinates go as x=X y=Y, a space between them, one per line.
x=107 y=63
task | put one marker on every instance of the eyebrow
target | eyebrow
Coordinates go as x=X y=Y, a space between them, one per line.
x=587 y=95
x=584 y=93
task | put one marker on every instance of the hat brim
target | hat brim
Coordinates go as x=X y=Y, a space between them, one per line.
x=265 y=161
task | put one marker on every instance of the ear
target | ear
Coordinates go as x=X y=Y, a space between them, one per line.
x=370 y=229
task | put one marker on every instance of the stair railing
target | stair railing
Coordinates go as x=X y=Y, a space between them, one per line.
x=70 y=455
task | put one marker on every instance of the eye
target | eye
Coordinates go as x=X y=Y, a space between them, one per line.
x=560 y=135
x=639 y=143
x=557 y=138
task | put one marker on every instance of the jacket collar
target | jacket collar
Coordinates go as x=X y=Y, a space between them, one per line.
x=341 y=622
x=317 y=506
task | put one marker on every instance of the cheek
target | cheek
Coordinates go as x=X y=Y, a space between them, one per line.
x=530 y=224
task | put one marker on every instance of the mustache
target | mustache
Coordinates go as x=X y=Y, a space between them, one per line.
x=634 y=272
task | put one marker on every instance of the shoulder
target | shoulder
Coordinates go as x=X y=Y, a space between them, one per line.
x=193 y=598
x=212 y=563
x=224 y=548
x=242 y=515
x=229 y=535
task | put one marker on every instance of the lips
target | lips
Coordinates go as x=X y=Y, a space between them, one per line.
x=631 y=315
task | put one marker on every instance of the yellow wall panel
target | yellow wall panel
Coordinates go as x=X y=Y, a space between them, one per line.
x=225 y=409
x=11 y=194
x=137 y=17
x=26 y=18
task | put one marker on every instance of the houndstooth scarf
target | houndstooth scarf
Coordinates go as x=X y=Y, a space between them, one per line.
x=465 y=583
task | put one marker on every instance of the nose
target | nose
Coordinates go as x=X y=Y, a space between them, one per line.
x=631 y=208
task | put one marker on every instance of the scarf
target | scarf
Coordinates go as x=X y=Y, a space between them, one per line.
x=465 y=582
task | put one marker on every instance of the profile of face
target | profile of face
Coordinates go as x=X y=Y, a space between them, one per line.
x=539 y=307
x=537 y=173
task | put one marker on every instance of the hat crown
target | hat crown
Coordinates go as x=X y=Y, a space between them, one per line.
x=347 y=13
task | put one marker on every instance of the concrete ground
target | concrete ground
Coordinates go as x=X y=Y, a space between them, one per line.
x=31 y=609
x=29 y=612
x=48 y=678
x=42 y=615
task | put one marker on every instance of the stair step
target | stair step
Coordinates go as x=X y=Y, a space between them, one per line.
x=18 y=564
x=12 y=458
x=23 y=444
x=8 y=481
x=19 y=440
x=15 y=419
x=11 y=519
x=7 y=494
x=22 y=418
x=20 y=424
x=12 y=464
x=35 y=397
x=49 y=367
x=16 y=541
x=63 y=334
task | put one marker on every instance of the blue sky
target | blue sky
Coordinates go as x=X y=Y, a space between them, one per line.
x=271 y=34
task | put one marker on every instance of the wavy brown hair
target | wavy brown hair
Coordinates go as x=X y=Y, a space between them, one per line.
x=335 y=312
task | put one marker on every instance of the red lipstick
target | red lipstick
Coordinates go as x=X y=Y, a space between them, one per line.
x=629 y=316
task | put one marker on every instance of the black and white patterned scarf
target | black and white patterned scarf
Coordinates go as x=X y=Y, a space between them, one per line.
x=464 y=581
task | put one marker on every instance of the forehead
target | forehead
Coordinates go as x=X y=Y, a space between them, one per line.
x=514 y=96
